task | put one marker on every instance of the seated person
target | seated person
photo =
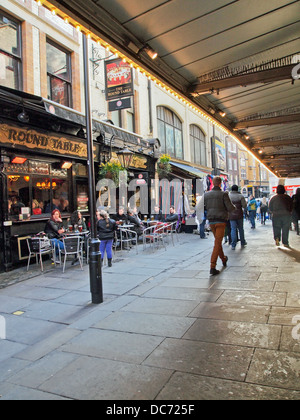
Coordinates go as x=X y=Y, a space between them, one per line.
x=36 y=207
x=120 y=217
x=134 y=219
x=54 y=230
x=16 y=205
x=157 y=214
x=77 y=219
x=172 y=216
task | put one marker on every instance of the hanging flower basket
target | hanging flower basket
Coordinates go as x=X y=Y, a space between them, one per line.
x=164 y=168
x=110 y=170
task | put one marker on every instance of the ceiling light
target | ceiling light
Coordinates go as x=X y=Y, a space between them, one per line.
x=150 y=51
x=222 y=113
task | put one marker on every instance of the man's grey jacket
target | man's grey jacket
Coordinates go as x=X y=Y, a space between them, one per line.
x=218 y=205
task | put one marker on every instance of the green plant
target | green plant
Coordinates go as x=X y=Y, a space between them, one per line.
x=164 y=167
x=110 y=170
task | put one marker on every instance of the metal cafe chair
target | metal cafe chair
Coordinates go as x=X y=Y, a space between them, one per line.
x=72 y=247
x=128 y=236
x=153 y=235
x=39 y=246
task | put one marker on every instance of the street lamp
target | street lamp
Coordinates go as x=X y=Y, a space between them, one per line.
x=95 y=255
x=125 y=157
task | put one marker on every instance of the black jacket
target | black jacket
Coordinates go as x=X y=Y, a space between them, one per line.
x=52 y=228
x=105 y=233
x=172 y=218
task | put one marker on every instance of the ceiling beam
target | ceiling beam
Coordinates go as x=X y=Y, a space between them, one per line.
x=281 y=119
x=290 y=156
x=274 y=143
x=263 y=76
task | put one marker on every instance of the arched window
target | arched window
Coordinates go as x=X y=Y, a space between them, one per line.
x=170 y=132
x=198 y=146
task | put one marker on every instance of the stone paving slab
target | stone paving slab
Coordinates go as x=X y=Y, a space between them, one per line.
x=91 y=378
x=197 y=387
x=272 y=367
x=211 y=359
x=235 y=333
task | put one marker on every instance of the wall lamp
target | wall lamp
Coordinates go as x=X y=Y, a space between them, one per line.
x=23 y=117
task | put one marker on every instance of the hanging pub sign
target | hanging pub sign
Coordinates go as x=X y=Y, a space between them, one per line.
x=118 y=79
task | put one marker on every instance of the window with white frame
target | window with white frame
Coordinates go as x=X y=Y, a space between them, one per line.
x=198 y=145
x=59 y=74
x=170 y=132
x=10 y=52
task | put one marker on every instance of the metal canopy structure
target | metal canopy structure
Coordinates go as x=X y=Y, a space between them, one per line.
x=232 y=56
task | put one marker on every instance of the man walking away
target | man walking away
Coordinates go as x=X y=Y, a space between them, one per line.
x=237 y=216
x=218 y=206
x=281 y=206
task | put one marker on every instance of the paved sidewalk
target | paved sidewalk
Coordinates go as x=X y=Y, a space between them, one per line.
x=165 y=331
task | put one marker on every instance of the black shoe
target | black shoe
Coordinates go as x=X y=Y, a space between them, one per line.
x=214 y=272
x=225 y=262
x=109 y=262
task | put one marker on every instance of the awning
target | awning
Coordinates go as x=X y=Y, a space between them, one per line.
x=190 y=169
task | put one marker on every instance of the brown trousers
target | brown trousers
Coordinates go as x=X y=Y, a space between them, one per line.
x=218 y=231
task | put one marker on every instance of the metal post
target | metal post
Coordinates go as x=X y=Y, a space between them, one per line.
x=95 y=255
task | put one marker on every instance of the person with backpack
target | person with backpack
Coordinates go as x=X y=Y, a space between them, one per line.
x=252 y=207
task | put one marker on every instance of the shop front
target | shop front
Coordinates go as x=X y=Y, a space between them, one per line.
x=43 y=166
x=40 y=172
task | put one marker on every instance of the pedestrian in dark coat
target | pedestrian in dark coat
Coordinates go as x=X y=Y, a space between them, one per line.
x=281 y=206
x=296 y=210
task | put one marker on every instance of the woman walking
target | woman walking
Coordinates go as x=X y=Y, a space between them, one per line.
x=281 y=206
x=106 y=228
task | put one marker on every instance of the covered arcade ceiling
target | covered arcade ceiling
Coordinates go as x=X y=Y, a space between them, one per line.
x=239 y=57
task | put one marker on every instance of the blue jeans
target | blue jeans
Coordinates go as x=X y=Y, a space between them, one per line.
x=57 y=244
x=202 y=229
x=252 y=216
x=237 y=225
x=106 y=245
